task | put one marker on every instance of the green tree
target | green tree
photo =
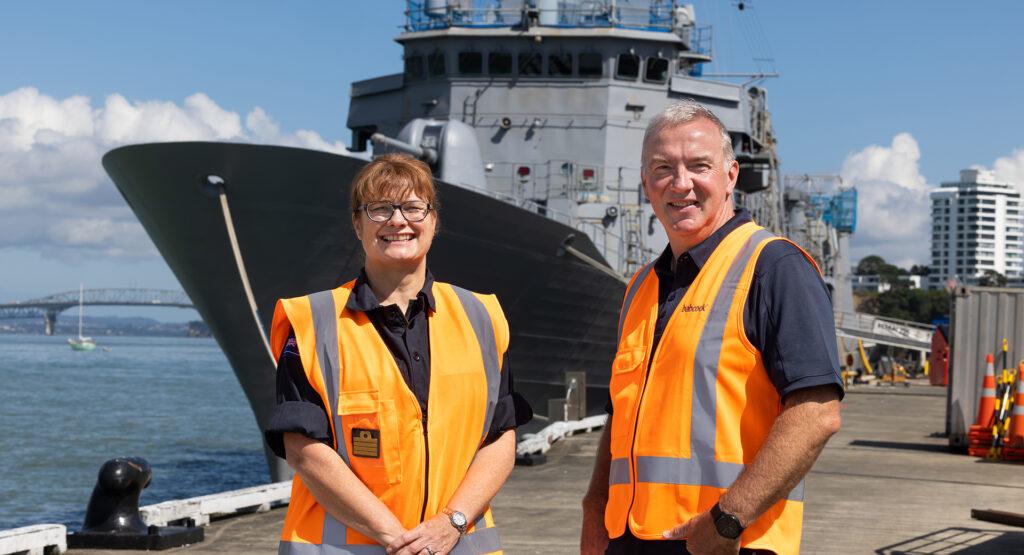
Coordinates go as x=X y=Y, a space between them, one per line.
x=917 y=305
x=992 y=278
x=869 y=265
x=887 y=273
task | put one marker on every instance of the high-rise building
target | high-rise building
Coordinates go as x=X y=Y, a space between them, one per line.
x=976 y=227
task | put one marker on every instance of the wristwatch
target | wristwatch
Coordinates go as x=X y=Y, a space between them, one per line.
x=728 y=525
x=458 y=520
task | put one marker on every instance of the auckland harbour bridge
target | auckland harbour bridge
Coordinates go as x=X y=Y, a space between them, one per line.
x=50 y=306
x=849 y=325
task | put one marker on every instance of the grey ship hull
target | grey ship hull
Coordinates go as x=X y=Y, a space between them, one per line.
x=289 y=209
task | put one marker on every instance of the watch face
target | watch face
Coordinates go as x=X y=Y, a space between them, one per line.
x=459 y=519
x=729 y=526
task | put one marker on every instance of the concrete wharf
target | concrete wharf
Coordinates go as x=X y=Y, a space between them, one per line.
x=885 y=484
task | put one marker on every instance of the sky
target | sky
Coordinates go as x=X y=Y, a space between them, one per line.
x=894 y=96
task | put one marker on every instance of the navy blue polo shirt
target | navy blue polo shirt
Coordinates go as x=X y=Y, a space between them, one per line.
x=407 y=337
x=787 y=317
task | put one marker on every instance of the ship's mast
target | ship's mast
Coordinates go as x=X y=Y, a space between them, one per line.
x=81 y=303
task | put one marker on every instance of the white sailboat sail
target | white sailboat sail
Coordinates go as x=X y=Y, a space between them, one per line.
x=81 y=343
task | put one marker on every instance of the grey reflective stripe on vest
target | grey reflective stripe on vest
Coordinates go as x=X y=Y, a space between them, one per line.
x=709 y=349
x=702 y=468
x=325 y=326
x=480 y=319
x=482 y=540
x=294 y=548
x=640 y=277
x=618 y=471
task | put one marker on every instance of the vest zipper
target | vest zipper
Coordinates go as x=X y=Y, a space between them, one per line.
x=632 y=444
x=426 y=470
x=636 y=425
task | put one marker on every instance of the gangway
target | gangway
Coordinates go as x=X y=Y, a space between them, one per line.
x=887 y=331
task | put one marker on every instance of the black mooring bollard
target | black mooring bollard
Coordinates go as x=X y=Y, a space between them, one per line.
x=112 y=518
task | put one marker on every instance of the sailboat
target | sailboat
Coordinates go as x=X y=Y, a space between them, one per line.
x=81 y=343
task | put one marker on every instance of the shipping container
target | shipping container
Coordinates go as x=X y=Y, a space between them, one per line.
x=981 y=317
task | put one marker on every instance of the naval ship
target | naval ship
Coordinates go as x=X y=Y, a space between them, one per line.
x=531 y=116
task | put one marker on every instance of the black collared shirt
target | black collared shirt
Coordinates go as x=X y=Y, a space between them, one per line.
x=787 y=317
x=407 y=337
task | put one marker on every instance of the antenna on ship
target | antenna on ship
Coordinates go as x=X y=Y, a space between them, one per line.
x=745 y=18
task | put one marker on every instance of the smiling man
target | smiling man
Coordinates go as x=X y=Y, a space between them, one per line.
x=725 y=387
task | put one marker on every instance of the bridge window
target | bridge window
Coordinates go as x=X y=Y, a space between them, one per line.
x=471 y=63
x=435 y=64
x=591 y=64
x=560 y=64
x=530 y=63
x=499 y=63
x=656 y=71
x=413 y=68
x=627 y=66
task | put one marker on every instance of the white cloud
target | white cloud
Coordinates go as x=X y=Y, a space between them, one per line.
x=893 y=204
x=54 y=195
x=1011 y=168
x=28 y=118
x=265 y=130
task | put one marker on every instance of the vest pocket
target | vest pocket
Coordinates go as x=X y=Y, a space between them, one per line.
x=627 y=360
x=624 y=388
x=370 y=428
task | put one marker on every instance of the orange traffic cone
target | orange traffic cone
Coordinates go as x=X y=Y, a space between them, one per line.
x=987 y=404
x=1014 y=449
x=980 y=435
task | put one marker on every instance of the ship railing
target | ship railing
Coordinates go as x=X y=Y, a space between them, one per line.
x=698 y=39
x=608 y=243
x=646 y=15
x=568 y=179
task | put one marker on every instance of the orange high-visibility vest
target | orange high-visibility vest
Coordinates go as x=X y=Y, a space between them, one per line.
x=690 y=415
x=410 y=461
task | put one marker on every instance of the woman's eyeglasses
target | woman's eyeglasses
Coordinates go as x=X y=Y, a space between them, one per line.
x=382 y=211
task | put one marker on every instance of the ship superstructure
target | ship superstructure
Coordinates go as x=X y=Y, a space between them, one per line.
x=531 y=115
x=558 y=95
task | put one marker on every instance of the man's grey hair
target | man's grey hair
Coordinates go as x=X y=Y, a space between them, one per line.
x=682 y=112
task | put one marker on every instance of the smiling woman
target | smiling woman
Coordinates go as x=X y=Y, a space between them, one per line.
x=394 y=212
x=395 y=400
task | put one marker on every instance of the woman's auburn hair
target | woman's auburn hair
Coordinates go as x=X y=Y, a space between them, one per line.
x=392 y=177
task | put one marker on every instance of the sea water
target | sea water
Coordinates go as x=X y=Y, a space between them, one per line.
x=172 y=401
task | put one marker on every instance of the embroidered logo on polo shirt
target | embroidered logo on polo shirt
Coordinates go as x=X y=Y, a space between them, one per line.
x=366 y=443
x=693 y=307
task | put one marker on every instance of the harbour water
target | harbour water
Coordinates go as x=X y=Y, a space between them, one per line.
x=173 y=401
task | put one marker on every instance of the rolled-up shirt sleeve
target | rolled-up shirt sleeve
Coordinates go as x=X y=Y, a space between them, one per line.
x=299 y=407
x=792 y=321
x=512 y=409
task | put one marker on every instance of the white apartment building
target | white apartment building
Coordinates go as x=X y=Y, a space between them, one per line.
x=873 y=283
x=976 y=226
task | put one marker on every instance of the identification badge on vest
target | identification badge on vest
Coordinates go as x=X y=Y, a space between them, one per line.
x=366 y=443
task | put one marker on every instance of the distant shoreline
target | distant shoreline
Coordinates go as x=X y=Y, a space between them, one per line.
x=109 y=326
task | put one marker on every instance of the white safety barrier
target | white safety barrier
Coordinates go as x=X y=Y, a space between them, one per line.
x=200 y=509
x=541 y=441
x=34 y=540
